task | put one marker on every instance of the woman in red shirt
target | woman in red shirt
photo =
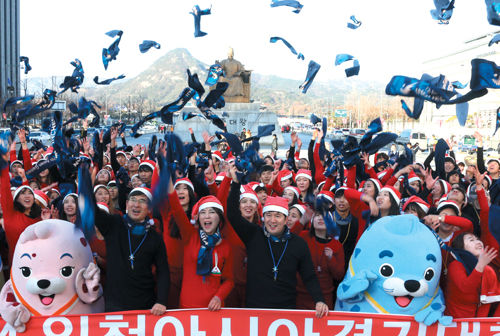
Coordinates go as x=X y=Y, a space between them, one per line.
x=328 y=259
x=19 y=210
x=463 y=290
x=208 y=260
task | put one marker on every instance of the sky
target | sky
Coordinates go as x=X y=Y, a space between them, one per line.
x=395 y=37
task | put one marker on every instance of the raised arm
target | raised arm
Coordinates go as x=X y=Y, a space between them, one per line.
x=185 y=227
x=243 y=228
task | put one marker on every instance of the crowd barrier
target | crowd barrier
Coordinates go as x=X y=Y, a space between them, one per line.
x=247 y=322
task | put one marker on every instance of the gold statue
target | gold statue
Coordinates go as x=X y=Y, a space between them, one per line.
x=238 y=79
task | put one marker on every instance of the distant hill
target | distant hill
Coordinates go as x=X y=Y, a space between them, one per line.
x=165 y=79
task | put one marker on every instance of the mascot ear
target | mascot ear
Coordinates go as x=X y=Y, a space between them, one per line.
x=40 y=230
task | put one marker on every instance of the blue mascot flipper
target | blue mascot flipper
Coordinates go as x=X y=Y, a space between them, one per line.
x=400 y=276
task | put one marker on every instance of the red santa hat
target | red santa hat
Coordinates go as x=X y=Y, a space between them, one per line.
x=493 y=160
x=16 y=161
x=148 y=163
x=377 y=183
x=231 y=159
x=55 y=190
x=42 y=197
x=412 y=177
x=488 y=178
x=185 y=181
x=295 y=190
x=303 y=173
x=135 y=158
x=393 y=191
x=145 y=191
x=99 y=186
x=18 y=190
x=449 y=204
x=285 y=174
x=328 y=195
x=121 y=153
x=321 y=184
x=203 y=203
x=278 y=204
x=103 y=206
x=104 y=171
x=446 y=186
x=247 y=192
x=218 y=155
x=381 y=174
x=70 y=194
x=302 y=208
x=361 y=185
x=420 y=202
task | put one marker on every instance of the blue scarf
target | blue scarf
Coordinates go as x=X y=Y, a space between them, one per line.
x=137 y=228
x=342 y=221
x=284 y=237
x=208 y=242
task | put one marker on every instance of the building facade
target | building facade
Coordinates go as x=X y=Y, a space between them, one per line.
x=456 y=66
x=10 y=77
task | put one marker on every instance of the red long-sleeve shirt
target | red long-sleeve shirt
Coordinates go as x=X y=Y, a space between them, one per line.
x=228 y=233
x=196 y=291
x=14 y=221
x=332 y=269
x=357 y=207
x=465 y=225
x=462 y=291
x=319 y=169
x=486 y=236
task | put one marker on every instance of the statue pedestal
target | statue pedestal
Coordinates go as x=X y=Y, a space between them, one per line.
x=241 y=115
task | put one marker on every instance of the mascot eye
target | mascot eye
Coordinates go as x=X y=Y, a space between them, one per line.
x=429 y=274
x=26 y=271
x=386 y=270
x=67 y=271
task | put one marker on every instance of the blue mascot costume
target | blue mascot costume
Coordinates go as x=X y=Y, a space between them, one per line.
x=395 y=269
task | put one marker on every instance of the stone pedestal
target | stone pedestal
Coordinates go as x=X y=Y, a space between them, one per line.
x=240 y=115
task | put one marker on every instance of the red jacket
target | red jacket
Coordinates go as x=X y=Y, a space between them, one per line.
x=14 y=222
x=462 y=292
x=331 y=270
x=196 y=291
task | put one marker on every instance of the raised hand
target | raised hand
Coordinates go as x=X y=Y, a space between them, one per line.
x=293 y=137
x=366 y=158
x=299 y=143
x=485 y=258
x=22 y=135
x=209 y=174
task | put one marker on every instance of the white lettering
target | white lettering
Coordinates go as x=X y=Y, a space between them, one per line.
x=476 y=329
x=84 y=326
x=141 y=326
x=348 y=325
x=493 y=328
x=254 y=326
x=442 y=328
x=179 y=329
x=422 y=329
x=405 y=327
x=194 y=327
x=273 y=328
x=8 y=330
x=226 y=327
x=366 y=327
x=47 y=326
x=308 y=327
x=114 y=327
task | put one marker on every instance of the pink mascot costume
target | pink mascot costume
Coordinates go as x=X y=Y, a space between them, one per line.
x=53 y=273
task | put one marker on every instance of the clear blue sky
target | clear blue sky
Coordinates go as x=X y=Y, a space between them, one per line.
x=394 y=39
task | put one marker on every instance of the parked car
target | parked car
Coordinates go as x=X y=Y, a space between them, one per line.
x=346 y=131
x=411 y=136
x=286 y=128
x=358 y=132
x=337 y=134
x=40 y=136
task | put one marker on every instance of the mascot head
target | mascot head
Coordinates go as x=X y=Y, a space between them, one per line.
x=47 y=259
x=406 y=257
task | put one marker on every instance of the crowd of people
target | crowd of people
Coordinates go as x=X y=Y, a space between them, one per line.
x=214 y=240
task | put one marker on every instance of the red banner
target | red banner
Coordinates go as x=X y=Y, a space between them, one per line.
x=247 y=322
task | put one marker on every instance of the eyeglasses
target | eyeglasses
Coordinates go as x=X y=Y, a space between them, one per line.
x=141 y=201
